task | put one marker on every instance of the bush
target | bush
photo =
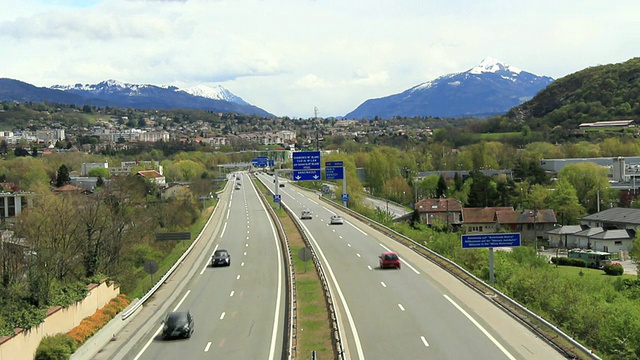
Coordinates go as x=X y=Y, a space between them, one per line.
x=569 y=262
x=57 y=347
x=613 y=269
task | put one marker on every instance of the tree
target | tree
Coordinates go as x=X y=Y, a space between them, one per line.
x=483 y=190
x=590 y=182
x=99 y=172
x=441 y=189
x=62 y=177
x=34 y=151
x=565 y=204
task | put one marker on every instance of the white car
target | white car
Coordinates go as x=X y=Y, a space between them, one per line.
x=336 y=220
x=306 y=214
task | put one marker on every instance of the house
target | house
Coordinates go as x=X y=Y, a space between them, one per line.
x=445 y=210
x=153 y=176
x=175 y=191
x=611 y=230
x=532 y=224
x=482 y=220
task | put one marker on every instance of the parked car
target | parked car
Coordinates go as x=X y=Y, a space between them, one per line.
x=178 y=324
x=306 y=214
x=336 y=220
x=389 y=259
x=221 y=258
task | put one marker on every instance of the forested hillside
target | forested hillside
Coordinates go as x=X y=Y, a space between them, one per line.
x=598 y=93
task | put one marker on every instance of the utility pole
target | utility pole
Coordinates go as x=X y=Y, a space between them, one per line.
x=315 y=121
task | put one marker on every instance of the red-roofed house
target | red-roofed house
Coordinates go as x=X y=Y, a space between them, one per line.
x=446 y=210
x=153 y=176
x=482 y=220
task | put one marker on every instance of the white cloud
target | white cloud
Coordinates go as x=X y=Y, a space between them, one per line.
x=288 y=56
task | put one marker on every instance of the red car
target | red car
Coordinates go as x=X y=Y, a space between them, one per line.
x=389 y=259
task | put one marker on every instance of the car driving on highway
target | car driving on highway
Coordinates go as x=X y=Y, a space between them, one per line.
x=178 y=324
x=221 y=258
x=389 y=259
x=336 y=220
x=306 y=214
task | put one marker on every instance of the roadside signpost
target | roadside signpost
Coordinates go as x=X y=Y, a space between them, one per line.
x=476 y=241
x=277 y=198
x=334 y=170
x=306 y=166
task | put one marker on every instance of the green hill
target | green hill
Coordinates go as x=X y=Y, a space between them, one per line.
x=599 y=93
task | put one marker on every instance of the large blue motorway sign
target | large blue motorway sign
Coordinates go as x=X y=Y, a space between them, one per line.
x=305 y=160
x=334 y=173
x=306 y=175
x=490 y=240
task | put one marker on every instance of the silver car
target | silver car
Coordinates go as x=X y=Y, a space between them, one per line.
x=336 y=220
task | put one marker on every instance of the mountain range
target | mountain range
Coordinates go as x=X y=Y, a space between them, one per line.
x=490 y=88
x=118 y=94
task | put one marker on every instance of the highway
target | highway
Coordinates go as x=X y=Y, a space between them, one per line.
x=418 y=312
x=239 y=309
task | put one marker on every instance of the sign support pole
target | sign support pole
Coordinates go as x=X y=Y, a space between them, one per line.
x=344 y=187
x=491 y=278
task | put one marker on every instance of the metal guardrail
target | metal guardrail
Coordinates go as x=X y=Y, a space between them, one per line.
x=292 y=311
x=478 y=284
x=336 y=339
x=132 y=309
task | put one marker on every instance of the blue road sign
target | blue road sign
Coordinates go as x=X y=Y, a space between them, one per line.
x=262 y=161
x=334 y=163
x=271 y=162
x=345 y=197
x=305 y=160
x=334 y=173
x=254 y=162
x=277 y=198
x=490 y=240
x=307 y=175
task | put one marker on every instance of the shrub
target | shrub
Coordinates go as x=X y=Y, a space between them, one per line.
x=614 y=269
x=569 y=262
x=57 y=347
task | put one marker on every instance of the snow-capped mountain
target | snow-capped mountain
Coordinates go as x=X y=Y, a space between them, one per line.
x=490 y=88
x=216 y=93
x=145 y=96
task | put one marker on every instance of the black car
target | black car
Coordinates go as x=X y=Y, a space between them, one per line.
x=177 y=324
x=221 y=258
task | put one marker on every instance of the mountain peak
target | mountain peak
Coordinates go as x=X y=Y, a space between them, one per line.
x=491 y=65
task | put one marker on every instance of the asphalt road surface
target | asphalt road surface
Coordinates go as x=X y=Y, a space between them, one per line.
x=239 y=309
x=418 y=312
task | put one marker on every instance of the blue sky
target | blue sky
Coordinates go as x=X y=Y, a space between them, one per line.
x=289 y=56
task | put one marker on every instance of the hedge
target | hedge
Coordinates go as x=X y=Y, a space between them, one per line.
x=61 y=346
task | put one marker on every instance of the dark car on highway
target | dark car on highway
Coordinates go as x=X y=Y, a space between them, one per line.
x=221 y=258
x=178 y=324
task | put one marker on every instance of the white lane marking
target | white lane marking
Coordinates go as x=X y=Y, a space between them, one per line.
x=401 y=307
x=183 y=298
x=238 y=277
x=242 y=264
x=383 y=284
x=232 y=292
x=352 y=325
x=312 y=201
x=358 y=255
x=247 y=231
x=246 y=245
x=206 y=348
x=357 y=228
x=223 y=229
x=339 y=236
x=228 y=211
x=222 y=316
x=406 y=263
x=424 y=341
x=369 y=267
x=231 y=198
x=485 y=332
x=206 y=265
x=247 y=238
x=349 y=245
x=245 y=253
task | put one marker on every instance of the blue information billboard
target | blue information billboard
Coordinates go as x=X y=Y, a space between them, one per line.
x=306 y=175
x=305 y=160
x=334 y=173
x=475 y=241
